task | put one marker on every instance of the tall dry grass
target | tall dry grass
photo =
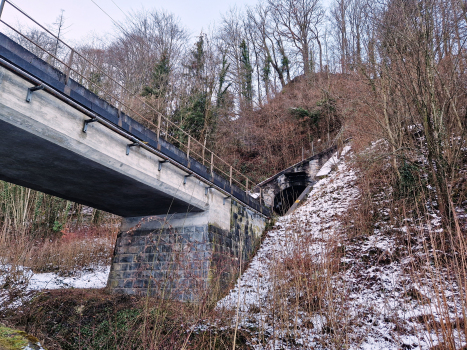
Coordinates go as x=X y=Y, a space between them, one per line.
x=431 y=254
x=49 y=234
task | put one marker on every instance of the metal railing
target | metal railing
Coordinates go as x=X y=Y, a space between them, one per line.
x=75 y=65
x=336 y=141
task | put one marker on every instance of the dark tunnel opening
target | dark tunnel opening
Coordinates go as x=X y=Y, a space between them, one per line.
x=286 y=198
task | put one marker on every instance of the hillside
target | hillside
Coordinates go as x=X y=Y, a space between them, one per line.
x=325 y=277
x=375 y=257
x=317 y=284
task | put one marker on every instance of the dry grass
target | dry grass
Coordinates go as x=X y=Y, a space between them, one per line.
x=432 y=256
x=87 y=248
x=48 y=234
x=94 y=319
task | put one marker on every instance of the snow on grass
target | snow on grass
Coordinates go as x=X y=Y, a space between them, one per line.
x=316 y=221
x=333 y=161
x=374 y=302
x=328 y=198
x=95 y=278
x=87 y=278
x=20 y=284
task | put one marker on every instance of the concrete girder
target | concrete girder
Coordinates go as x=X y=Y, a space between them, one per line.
x=43 y=147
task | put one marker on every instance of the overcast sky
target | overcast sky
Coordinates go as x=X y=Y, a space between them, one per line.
x=83 y=17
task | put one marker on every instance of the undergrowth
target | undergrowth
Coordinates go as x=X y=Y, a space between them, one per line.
x=401 y=207
x=94 y=319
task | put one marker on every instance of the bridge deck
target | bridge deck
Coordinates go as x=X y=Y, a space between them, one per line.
x=24 y=158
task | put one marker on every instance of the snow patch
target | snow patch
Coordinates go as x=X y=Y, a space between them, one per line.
x=332 y=162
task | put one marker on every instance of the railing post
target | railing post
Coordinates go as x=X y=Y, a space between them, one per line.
x=159 y=119
x=312 y=149
x=120 y=103
x=303 y=154
x=68 y=68
x=204 y=148
x=212 y=164
x=167 y=130
x=230 y=178
x=246 y=184
x=188 y=148
x=2 y=5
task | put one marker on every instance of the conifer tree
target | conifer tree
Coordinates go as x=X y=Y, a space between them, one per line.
x=247 y=73
x=159 y=79
x=195 y=115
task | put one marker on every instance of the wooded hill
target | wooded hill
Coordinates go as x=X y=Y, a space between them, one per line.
x=280 y=80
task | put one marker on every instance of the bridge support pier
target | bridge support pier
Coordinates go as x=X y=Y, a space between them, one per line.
x=183 y=256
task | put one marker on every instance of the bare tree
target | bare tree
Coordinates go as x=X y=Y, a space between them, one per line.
x=146 y=42
x=419 y=87
x=339 y=19
x=264 y=34
x=298 y=22
x=231 y=35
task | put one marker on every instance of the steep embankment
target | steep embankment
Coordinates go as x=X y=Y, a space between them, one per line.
x=317 y=283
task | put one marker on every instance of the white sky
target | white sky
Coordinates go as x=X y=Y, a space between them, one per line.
x=84 y=18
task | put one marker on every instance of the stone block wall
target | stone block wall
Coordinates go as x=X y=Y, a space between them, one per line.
x=168 y=262
x=184 y=262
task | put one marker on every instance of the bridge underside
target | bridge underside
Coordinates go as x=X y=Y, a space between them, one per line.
x=34 y=162
x=213 y=225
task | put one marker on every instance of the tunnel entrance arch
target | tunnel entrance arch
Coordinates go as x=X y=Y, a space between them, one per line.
x=294 y=184
x=281 y=190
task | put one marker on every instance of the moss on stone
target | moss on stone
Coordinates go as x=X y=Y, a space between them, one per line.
x=11 y=339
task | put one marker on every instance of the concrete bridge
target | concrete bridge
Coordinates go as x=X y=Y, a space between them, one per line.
x=282 y=190
x=184 y=227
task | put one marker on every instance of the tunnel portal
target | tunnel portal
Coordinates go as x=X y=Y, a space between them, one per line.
x=285 y=198
x=297 y=182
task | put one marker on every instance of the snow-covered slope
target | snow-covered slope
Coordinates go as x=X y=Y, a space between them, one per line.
x=316 y=222
x=319 y=215
x=371 y=300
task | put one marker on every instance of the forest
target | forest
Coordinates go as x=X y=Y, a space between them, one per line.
x=281 y=79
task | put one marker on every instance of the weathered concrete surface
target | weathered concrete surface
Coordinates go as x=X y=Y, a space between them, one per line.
x=43 y=147
x=280 y=191
x=185 y=256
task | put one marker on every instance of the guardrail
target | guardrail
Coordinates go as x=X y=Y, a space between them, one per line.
x=71 y=65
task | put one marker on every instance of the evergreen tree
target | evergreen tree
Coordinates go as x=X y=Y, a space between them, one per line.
x=247 y=73
x=159 y=79
x=266 y=73
x=195 y=115
x=222 y=91
x=285 y=60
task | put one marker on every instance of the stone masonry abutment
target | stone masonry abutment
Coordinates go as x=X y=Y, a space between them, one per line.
x=184 y=256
